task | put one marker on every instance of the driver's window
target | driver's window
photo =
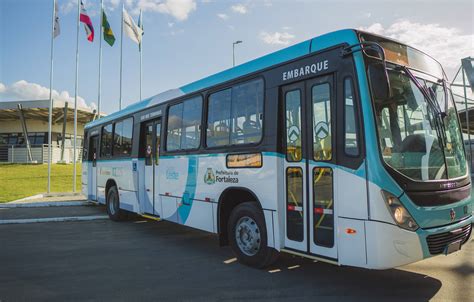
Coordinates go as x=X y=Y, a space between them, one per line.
x=321 y=99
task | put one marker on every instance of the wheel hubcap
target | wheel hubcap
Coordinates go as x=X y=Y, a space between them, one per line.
x=247 y=235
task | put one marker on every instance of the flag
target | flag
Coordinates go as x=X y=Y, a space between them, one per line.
x=140 y=25
x=131 y=29
x=84 y=18
x=108 y=33
x=56 y=30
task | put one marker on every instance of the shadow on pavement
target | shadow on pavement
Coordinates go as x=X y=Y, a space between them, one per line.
x=144 y=260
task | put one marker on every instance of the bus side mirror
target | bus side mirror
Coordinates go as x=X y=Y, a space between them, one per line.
x=379 y=81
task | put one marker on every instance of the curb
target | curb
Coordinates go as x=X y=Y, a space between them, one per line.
x=53 y=219
x=47 y=204
x=46 y=195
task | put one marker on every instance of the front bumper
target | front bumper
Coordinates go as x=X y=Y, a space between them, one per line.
x=390 y=246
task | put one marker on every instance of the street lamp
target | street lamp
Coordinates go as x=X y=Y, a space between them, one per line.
x=233 y=51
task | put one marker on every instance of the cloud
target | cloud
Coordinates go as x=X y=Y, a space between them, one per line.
x=239 y=8
x=23 y=90
x=179 y=9
x=223 y=16
x=276 y=38
x=446 y=44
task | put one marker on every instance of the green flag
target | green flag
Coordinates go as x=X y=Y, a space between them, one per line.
x=108 y=33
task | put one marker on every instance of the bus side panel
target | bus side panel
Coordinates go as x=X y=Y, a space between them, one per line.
x=85 y=174
x=121 y=171
x=199 y=180
x=101 y=182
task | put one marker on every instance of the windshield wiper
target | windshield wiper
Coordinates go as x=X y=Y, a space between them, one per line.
x=434 y=105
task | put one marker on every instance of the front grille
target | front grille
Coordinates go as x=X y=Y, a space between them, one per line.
x=438 y=242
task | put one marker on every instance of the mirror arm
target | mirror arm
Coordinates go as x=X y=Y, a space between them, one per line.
x=348 y=50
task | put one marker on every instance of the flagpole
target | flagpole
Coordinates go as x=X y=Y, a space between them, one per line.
x=121 y=52
x=141 y=49
x=100 y=56
x=75 y=94
x=50 y=111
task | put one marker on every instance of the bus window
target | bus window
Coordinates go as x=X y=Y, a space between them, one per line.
x=123 y=138
x=148 y=143
x=293 y=125
x=191 y=123
x=175 y=122
x=323 y=206
x=218 y=119
x=158 y=142
x=184 y=125
x=351 y=147
x=294 y=199
x=322 y=145
x=235 y=115
x=247 y=109
x=106 y=141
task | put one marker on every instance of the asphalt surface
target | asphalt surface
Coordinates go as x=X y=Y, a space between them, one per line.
x=143 y=260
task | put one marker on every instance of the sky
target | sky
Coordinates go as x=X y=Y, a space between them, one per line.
x=186 y=40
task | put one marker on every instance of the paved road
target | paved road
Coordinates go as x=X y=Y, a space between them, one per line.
x=144 y=260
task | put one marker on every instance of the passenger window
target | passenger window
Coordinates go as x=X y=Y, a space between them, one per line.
x=322 y=145
x=293 y=126
x=184 y=125
x=191 y=124
x=351 y=146
x=247 y=111
x=106 y=141
x=123 y=138
x=235 y=115
x=175 y=122
x=218 y=119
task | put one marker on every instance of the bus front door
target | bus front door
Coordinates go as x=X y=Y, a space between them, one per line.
x=92 y=163
x=151 y=144
x=309 y=177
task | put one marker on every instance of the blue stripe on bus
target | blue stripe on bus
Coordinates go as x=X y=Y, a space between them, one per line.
x=190 y=190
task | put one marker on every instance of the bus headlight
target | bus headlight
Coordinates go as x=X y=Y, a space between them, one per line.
x=399 y=214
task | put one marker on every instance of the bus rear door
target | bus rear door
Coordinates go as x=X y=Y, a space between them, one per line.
x=151 y=144
x=92 y=167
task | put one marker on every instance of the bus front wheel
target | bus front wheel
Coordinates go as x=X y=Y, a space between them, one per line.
x=248 y=236
x=113 y=205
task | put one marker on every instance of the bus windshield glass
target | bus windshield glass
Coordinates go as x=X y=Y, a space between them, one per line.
x=404 y=55
x=419 y=133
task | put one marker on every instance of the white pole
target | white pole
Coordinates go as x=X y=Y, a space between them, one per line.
x=141 y=49
x=75 y=95
x=50 y=112
x=121 y=52
x=100 y=56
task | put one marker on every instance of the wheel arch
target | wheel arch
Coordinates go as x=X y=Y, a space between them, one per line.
x=109 y=184
x=228 y=200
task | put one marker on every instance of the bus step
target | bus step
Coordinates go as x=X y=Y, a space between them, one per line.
x=152 y=217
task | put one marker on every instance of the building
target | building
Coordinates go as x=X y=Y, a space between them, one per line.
x=24 y=131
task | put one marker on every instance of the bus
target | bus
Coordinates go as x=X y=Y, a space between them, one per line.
x=345 y=148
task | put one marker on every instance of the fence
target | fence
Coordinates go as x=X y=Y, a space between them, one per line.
x=39 y=154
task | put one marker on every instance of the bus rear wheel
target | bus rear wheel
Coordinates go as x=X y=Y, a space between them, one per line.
x=113 y=205
x=248 y=236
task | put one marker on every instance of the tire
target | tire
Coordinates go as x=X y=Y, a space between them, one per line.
x=113 y=205
x=249 y=242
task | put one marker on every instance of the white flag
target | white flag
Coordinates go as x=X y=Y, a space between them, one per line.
x=56 y=31
x=131 y=29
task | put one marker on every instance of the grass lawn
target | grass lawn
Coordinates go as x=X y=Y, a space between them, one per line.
x=23 y=180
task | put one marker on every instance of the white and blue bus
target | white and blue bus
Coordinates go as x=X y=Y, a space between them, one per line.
x=344 y=148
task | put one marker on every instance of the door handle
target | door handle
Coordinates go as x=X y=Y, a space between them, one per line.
x=148 y=190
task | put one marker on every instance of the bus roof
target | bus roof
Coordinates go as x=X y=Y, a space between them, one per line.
x=283 y=55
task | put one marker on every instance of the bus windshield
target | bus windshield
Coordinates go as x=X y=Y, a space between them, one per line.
x=419 y=134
